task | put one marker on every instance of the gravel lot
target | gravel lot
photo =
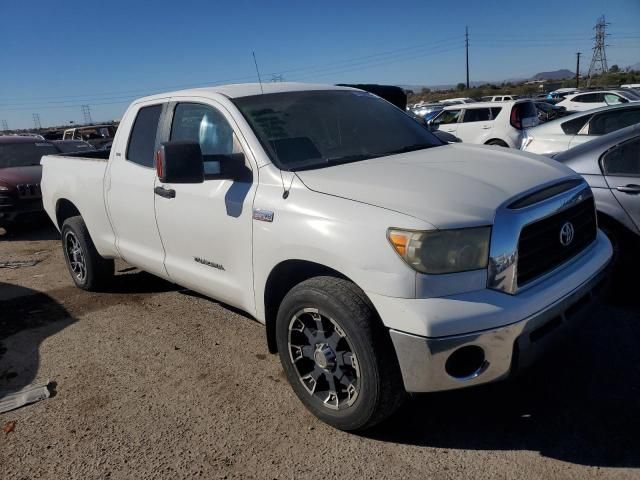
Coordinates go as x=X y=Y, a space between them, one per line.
x=156 y=382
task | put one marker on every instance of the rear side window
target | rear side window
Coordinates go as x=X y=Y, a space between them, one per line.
x=572 y=127
x=604 y=123
x=142 y=142
x=476 y=115
x=495 y=111
x=589 y=98
x=623 y=159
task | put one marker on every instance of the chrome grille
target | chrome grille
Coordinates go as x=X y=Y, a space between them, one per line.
x=540 y=249
x=29 y=190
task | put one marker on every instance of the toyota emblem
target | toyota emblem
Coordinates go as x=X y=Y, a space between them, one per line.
x=566 y=234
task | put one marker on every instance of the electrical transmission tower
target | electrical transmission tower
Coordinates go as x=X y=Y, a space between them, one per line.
x=5 y=125
x=86 y=113
x=277 y=78
x=599 y=59
x=36 y=121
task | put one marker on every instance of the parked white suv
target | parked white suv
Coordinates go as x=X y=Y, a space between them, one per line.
x=497 y=98
x=381 y=260
x=579 y=102
x=490 y=123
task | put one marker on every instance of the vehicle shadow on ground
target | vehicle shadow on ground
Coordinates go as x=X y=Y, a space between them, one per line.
x=40 y=230
x=27 y=318
x=580 y=404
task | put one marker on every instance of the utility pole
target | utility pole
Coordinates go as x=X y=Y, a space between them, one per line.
x=5 y=126
x=599 y=59
x=578 y=69
x=36 y=120
x=86 y=113
x=466 y=45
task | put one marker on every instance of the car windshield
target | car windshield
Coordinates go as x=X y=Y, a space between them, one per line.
x=316 y=129
x=24 y=154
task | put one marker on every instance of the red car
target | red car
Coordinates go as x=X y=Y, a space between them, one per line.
x=20 y=174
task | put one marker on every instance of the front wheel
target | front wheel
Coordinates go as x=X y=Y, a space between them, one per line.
x=337 y=357
x=88 y=269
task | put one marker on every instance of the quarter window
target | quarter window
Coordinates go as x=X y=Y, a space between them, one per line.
x=142 y=142
x=623 y=159
x=572 y=127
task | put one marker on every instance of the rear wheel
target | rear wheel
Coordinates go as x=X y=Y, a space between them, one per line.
x=336 y=355
x=88 y=269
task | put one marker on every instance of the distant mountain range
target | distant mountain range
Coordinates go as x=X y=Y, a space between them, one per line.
x=554 y=75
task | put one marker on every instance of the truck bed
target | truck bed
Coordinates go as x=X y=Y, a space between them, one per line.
x=77 y=179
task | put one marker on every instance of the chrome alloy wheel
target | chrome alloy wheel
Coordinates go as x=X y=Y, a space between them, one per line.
x=323 y=358
x=75 y=255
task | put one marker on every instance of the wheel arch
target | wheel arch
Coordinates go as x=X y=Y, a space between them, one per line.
x=281 y=279
x=496 y=141
x=65 y=209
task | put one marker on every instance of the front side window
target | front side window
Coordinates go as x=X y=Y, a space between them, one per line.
x=608 y=122
x=142 y=142
x=316 y=129
x=623 y=160
x=207 y=126
x=612 y=99
x=447 y=117
x=476 y=115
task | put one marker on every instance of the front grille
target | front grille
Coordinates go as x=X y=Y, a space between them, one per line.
x=29 y=190
x=539 y=247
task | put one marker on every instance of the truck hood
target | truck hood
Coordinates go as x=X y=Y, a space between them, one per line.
x=18 y=175
x=448 y=186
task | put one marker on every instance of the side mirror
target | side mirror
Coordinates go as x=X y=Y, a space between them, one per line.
x=180 y=162
x=228 y=166
x=429 y=124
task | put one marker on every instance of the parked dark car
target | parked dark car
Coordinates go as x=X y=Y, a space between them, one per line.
x=72 y=146
x=547 y=111
x=20 y=174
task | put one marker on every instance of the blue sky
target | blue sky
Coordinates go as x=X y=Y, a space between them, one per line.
x=59 y=55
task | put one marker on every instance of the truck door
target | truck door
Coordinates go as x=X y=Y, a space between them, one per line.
x=129 y=190
x=206 y=228
x=621 y=168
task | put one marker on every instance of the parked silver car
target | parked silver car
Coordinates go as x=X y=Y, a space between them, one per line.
x=611 y=166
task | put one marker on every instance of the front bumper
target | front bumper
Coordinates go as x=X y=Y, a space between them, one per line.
x=12 y=208
x=423 y=361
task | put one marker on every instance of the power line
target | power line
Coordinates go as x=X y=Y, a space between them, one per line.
x=599 y=58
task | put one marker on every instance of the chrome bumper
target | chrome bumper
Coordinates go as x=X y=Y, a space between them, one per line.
x=506 y=349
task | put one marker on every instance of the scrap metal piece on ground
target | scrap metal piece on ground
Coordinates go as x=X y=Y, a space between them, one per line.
x=29 y=394
x=19 y=263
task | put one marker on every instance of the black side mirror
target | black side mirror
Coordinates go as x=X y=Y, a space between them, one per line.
x=180 y=162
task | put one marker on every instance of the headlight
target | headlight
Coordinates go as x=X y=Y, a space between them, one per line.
x=3 y=188
x=525 y=142
x=443 y=251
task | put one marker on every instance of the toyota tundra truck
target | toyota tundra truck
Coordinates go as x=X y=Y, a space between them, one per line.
x=380 y=260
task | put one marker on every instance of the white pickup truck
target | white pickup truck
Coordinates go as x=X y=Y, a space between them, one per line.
x=380 y=260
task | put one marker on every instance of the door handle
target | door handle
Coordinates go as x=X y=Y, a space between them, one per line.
x=486 y=127
x=630 y=189
x=165 y=192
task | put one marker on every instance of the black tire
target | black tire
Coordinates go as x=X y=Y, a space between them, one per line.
x=378 y=390
x=499 y=143
x=97 y=271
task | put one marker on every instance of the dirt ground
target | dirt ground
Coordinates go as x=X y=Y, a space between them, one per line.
x=154 y=381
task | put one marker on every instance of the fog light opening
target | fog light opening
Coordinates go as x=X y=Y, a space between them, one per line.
x=466 y=363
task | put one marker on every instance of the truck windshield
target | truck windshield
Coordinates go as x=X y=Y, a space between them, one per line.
x=24 y=154
x=316 y=129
